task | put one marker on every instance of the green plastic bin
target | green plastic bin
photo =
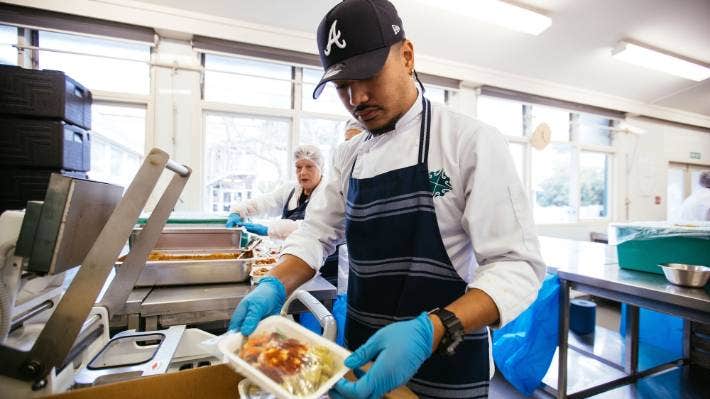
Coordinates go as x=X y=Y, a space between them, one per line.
x=643 y=246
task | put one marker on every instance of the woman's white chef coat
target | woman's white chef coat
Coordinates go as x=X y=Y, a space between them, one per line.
x=272 y=204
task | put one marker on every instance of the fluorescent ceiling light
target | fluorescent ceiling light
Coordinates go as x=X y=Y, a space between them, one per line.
x=653 y=59
x=499 y=13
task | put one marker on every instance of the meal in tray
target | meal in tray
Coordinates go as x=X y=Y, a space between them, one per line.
x=295 y=365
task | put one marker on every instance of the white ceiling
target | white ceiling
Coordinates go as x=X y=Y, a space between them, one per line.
x=574 y=51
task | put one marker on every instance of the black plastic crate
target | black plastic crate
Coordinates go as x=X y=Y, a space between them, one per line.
x=20 y=185
x=44 y=94
x=44 y=143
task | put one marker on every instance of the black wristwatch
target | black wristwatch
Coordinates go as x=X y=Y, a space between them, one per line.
x=453 y=331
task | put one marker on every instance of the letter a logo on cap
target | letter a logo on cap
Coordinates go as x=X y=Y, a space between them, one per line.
x=333 y=37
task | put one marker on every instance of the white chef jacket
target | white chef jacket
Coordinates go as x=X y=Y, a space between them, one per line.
x=697 y=206
x=485 y=220
x=272 y=204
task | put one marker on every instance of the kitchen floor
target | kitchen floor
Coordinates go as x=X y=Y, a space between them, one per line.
x=608 y=316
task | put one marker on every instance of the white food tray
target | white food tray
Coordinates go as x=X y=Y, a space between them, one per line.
x=231 y=343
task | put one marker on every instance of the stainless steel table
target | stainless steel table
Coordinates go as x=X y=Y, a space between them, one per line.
x=560 y=253
x=196 y=304
x=583 y=271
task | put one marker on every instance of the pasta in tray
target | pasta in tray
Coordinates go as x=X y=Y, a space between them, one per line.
x=298 y=367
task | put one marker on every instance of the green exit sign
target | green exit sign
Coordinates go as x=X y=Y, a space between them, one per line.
x=695 y=155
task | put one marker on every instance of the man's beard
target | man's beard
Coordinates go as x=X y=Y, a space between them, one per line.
x=387 y=127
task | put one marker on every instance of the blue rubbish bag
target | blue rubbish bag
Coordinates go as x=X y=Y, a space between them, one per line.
x=657 y=329
x=523 y=349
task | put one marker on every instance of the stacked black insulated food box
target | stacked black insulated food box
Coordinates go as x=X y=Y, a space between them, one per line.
x=45 y=117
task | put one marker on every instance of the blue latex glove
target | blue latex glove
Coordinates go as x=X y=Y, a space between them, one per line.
x=256 y=228
x=265 y=300
x=399 y=349
x=233 y=220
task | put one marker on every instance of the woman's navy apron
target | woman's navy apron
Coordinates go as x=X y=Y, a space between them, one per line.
x=399 y=268
x=329 y=270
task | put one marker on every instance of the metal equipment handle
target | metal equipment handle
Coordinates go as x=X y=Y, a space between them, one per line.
x=129 y=272
x=325 y=318
x=63 y=327
x=180 y=169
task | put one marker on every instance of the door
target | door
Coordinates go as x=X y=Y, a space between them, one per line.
x=683 y=180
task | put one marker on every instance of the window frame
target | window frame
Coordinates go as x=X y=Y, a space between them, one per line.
x=576 y=148
x=295 y=114
x=29 y=49
x=204 y=195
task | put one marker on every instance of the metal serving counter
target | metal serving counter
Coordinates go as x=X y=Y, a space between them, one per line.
x=592 y=268
x=156 y=307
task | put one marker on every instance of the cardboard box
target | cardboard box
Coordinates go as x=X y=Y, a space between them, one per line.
x=214 y=382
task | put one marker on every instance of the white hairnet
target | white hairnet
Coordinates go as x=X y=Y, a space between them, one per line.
x=310 y=152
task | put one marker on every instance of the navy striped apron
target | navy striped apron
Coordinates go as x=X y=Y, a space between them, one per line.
x=297 y=213
x=399 y=267
x=329 y=270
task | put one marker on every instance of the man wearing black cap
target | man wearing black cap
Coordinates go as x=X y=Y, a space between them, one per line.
x=440 y=236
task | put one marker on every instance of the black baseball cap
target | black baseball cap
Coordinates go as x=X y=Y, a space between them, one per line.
x=354 y=39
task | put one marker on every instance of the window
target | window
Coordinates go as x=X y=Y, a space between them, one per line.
x=324 y=133
x=245 y=81
x=505 y=115
x=8 y=37
x=255 y=112
x=435 y=94
x=557 y=119
x=118 y=142
x=569 y=181
x=98 y=64
x=593 y=185
x=594 y=130
x=551 y=181
x=245 y=156
x=328 y=102
x=108 y=68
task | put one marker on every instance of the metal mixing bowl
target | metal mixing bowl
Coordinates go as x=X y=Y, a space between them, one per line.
x=686 y=275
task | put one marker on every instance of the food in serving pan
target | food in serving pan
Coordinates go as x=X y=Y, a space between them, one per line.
x=298 y=367
x=157 y=256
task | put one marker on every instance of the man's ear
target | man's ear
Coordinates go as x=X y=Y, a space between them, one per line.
x=407 y=53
